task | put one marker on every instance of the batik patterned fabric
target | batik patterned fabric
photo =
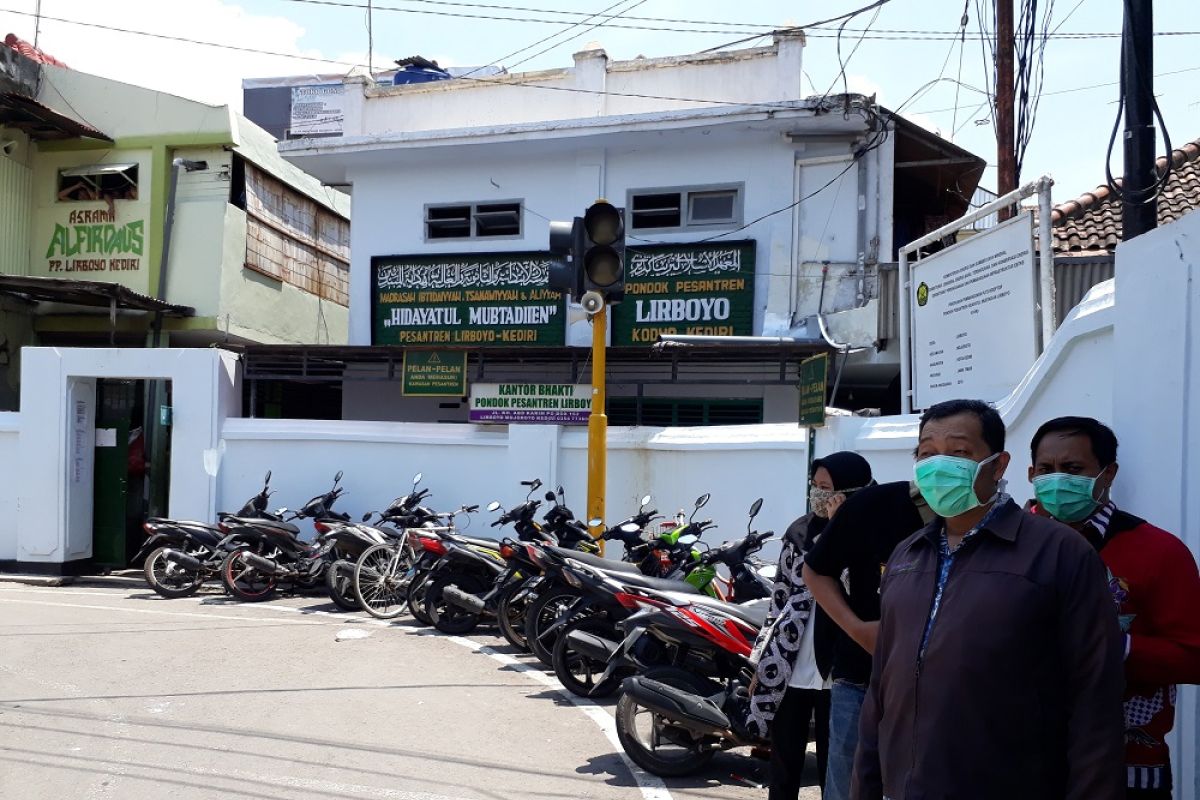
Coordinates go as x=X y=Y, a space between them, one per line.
x=778 y=642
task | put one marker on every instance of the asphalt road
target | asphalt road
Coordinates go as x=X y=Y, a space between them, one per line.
x=116 y=694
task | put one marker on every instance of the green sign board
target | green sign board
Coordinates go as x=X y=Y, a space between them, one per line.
x=813 y=376
x=486 y=299
x=695 y=289
x=434 y=373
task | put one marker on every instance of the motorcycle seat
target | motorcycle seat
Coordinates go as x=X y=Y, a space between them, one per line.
x=661 y=584
x=753 y=614
x=285 y=527
x=490 y=544
x=600 y=562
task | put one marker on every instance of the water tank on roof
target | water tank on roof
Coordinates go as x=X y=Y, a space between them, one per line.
x=418 y=70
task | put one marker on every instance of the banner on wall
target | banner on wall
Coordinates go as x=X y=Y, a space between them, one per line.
x=484 y=299
x=694 y=289
x=534 y=403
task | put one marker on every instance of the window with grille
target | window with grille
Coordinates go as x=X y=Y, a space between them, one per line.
x=665 y=412
x=684 y=208
x=473 y=220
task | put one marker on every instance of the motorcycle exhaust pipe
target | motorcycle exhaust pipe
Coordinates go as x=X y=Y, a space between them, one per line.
x=263 y=564
x=697 y=714
x=183 y=560
x=591 y=646
x=458 y=597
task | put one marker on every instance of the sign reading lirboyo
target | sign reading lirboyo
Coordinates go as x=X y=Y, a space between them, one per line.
x=539 y=403
x=974 y=323
x=695 y=289
x=476 y=299
x=434 y=374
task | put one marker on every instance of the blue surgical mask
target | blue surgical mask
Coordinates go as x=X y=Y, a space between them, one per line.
x=948 y=483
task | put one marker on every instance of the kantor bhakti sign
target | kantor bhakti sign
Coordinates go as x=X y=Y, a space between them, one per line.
x=537 y=403
x=695 y=289
x=492 y=299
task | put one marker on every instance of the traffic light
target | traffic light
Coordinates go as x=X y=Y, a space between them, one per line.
x=566 y=240
x=603 y=253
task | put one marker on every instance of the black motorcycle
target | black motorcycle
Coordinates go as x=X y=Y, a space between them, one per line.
x=180 y=555
x=283 y=558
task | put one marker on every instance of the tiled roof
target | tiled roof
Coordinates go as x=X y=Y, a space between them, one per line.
x=1091 y=223
x=29 y=51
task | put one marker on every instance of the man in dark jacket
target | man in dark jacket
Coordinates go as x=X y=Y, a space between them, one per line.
x=997 y=670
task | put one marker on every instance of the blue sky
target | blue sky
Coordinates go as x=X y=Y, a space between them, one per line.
x=1069 y=140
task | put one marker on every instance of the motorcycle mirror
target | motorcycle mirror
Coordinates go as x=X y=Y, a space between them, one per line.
x=595 y=522
x=366 y=516
x=494 y=505
x=267 y=479
x=630 y=527
x=417 y=478
x=561 y=493
x=337 y=478
x=551 y=497
x=702 y=500
x=281 y=510
x=755 y=507
x=688 y=539
x=645 y=501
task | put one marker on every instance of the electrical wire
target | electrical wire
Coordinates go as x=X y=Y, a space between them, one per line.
x=590 y=28
x=540 y=41
x=841 y=17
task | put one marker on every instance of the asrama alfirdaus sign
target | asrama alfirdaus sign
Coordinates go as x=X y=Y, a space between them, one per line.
x=538 y=403
x=490 y=299
x=698 y=289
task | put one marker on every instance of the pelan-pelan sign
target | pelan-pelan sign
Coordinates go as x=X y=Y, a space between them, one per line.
x=537 y=403
x=695 y=289
x=476 y=299
x=93 y=241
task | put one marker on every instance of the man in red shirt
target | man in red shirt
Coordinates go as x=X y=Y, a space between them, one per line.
x=1153 y=579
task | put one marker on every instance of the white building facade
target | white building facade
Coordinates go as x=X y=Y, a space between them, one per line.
x=750 y=208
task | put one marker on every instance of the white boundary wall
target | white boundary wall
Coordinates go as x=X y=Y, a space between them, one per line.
x=10 y=428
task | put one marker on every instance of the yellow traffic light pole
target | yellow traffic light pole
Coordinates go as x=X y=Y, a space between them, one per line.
x=598 y=426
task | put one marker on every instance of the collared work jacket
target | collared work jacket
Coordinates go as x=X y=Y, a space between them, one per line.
x=1018 y=691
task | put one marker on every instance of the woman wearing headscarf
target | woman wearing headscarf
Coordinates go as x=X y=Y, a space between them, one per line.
x=794 y=651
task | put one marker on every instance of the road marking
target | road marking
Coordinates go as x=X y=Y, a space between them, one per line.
x=144 y=611
x=650 y=786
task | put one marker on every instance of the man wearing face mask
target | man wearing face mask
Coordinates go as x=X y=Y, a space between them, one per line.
x=997 y=670
x=1153 y=580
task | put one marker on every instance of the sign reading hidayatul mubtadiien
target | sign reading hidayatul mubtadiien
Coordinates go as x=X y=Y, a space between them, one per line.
x=472 y=299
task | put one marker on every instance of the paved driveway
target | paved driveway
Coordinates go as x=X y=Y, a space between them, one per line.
x=113 y=692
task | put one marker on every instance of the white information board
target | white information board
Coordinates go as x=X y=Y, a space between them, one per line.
x=317 y=110
x=974 y=315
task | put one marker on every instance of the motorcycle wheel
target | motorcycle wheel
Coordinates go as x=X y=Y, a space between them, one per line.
x=541 y=615
x=416 y=599
x=447 y=617
x=510 y=615
x=578 y=673
x=380 y=581
x=339 y=584
x=169 y=579
x=640 y=730
x=244 y=581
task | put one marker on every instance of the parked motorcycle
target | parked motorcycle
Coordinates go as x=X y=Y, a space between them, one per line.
x=180 y=555
x=284 y=558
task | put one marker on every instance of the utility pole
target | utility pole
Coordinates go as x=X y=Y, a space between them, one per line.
x=1139 y=209
x=1006 y=150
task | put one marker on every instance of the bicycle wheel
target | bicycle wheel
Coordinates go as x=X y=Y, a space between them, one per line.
x=381 y=577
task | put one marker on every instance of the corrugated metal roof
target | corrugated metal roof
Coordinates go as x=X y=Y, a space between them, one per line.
x=87 y=293
x=42 y=122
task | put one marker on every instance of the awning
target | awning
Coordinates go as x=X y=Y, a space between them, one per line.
x=42 y=122
x=100 y=294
